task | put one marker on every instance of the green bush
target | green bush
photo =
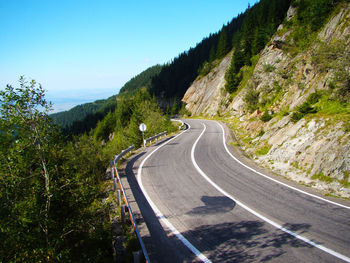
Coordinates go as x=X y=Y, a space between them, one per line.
x=233 y=80
x=306 y=108
x=261 y=133
x=296 y=116
x=266 y=117
x=314 y=98
x=251 y=99
x=263 y=150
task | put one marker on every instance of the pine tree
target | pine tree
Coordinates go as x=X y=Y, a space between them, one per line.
x=223 y=46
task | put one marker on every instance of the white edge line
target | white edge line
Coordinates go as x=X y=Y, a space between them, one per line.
x=306 y=240
x=272 y=179
x=159 y=215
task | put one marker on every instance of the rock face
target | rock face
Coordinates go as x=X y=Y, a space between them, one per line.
x=314 y=150
x=206 y=94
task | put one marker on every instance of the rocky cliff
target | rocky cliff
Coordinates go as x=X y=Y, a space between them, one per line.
x=291 y=111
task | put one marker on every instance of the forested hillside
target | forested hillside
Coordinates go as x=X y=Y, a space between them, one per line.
x=85 y=117
x=142 y=80
x=80 y=112
x=247 y=33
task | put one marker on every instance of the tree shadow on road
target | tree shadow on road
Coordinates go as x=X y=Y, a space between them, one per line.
x=214 y=205
x=245 y=241
x=241 y=241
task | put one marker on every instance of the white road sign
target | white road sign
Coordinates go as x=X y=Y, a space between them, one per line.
x=142 y=127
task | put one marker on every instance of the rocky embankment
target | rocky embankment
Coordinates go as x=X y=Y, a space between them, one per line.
x=298 y=129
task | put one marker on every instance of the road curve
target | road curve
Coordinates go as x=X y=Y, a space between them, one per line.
x=212 y=208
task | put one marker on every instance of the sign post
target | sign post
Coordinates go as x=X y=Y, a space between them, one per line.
x=143 y=128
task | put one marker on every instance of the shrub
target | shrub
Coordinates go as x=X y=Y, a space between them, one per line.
x=314 y=98
x=296 y=116
x=251 y=99
x=306 y=108
x=263 y=150
x=266 y=117
x=261 y=133
x=232 y=80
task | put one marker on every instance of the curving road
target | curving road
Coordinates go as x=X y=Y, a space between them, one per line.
x=203 y=202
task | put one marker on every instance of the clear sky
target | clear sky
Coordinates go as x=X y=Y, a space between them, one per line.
x=86 y=50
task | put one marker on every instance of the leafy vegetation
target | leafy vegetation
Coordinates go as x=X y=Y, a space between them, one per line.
x=141 y=108
x=322 y=178
x=259 y=23
x=335 y=57
x=266 y=116
x=50 y=188
x=251 y=99
x=305 y=108
x=263 y=150
x=311 y=16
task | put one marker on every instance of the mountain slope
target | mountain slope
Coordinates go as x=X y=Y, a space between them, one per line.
x=144 y=79
x=248 y=32
x=83 y=117
x=290 y=111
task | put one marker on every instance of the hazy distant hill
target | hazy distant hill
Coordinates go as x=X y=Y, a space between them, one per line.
x=83 y=117
x=78 y=113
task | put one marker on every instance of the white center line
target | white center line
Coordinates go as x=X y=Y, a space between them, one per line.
x=271 y=222
x=160 y=216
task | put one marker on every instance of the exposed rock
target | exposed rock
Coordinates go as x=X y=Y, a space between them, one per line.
x=206 y=94
x=310 y=147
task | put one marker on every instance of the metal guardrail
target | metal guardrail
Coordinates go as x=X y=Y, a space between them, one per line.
x=116 y=179
x=182 y=123
x=123 y=152
x=150 y=139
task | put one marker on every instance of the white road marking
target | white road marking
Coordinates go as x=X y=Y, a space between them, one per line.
x=160 y=216
x=272 y=179
x=271 y=222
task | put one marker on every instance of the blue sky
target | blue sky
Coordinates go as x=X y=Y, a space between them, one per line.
x=81 y=51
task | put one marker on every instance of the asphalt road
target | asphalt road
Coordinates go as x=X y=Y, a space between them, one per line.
x=200 y=204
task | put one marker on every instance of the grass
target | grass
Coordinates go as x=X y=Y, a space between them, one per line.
x=268 y=68
x=328 y=106
x=235 y=144
x=323 y=178
x=263 y=150
x=345 y=181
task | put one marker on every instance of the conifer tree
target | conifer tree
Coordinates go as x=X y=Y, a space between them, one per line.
x=223 y=46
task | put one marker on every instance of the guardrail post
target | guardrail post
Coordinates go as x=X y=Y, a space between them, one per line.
x=114 y=183
x=112 y=170
x=122 y=213
x=126 y=208
x=118 y=198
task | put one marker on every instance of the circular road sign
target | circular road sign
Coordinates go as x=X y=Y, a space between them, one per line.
x=142 y=127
